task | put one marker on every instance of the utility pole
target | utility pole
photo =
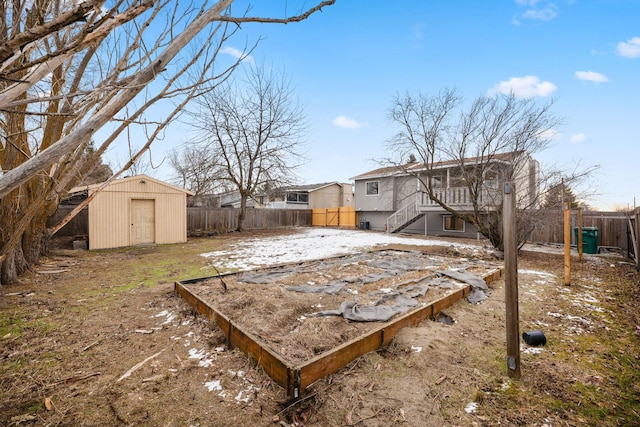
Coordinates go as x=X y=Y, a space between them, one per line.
x=510 y=232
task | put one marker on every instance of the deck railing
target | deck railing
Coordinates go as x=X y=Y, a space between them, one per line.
x=458 y=197
x=402 y=216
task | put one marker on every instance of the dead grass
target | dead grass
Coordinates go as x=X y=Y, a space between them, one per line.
x=66 y=338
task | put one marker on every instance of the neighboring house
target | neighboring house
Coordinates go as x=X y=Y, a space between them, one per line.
x=230 y=199
x=325 y=195
x=137 y=210
x=393 y=199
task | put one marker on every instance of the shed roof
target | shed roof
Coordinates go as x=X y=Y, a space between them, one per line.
x=116 y=182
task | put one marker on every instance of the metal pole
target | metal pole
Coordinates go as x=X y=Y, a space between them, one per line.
x=510 y=238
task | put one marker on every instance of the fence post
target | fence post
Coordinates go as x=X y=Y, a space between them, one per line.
x=510 y=239
x=567 y=245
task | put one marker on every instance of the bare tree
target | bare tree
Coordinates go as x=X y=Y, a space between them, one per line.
x=196 y=169
x=490 y=141
x=255 y=128
x=69 y=69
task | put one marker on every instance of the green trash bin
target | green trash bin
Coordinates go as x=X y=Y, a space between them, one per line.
x=589 y=239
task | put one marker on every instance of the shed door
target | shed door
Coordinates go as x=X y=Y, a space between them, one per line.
x=143 y=221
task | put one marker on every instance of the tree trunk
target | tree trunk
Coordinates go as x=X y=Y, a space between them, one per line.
x=243 y=212
x=13 y=266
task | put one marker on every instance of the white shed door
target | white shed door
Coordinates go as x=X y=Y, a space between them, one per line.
x=143 y=221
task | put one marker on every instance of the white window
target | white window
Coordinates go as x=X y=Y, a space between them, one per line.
x=452 y=223
x=373 y=188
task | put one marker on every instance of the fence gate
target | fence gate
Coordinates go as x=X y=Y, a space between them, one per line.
x=334 y=217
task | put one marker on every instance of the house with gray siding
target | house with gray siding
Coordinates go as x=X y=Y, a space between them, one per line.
x=394 y=199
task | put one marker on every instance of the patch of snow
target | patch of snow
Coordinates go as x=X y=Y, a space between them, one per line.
x=579 y=319
x=537 y=273
x=532 y=350
x=202 y=356
x=311 y=244
x=240 y=398
x=213 y=385
x=416 y=349
x=239 y=374
x=471 y=408
x=169 y=319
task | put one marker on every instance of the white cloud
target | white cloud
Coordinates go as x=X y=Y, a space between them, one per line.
x=524 y=87
x=578 y=137
x=591 y=76
x=538 y=10
x=528 y=2
x=346 y=123
x=630 y=48
x=238 y=54
x=544 y=14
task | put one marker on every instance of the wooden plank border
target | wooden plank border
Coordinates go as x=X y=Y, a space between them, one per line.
x=276 y=367
x=296 y=379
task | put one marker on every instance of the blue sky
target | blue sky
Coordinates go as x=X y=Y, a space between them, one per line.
x=347 y=62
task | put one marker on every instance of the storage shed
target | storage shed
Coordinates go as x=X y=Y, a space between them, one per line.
x=137 y=210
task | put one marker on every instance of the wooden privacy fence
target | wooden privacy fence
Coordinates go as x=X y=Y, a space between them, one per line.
x=614 y=228
x=335 y=217
x=201 y=219
x=204 y=219
x=78 y=226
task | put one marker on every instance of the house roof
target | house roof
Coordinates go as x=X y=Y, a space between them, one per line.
x=418 y=166
x=130 y=178
x=312 y=187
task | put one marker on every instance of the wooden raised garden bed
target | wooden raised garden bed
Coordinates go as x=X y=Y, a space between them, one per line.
x=285 y=316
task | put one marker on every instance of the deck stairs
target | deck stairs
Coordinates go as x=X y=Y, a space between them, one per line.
x=403 y=217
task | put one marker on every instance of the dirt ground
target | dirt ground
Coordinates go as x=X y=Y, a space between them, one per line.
x=99 y=338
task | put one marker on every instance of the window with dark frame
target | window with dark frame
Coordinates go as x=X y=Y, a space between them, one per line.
x=453 y=223
x=373 y=188
x=294 y=197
